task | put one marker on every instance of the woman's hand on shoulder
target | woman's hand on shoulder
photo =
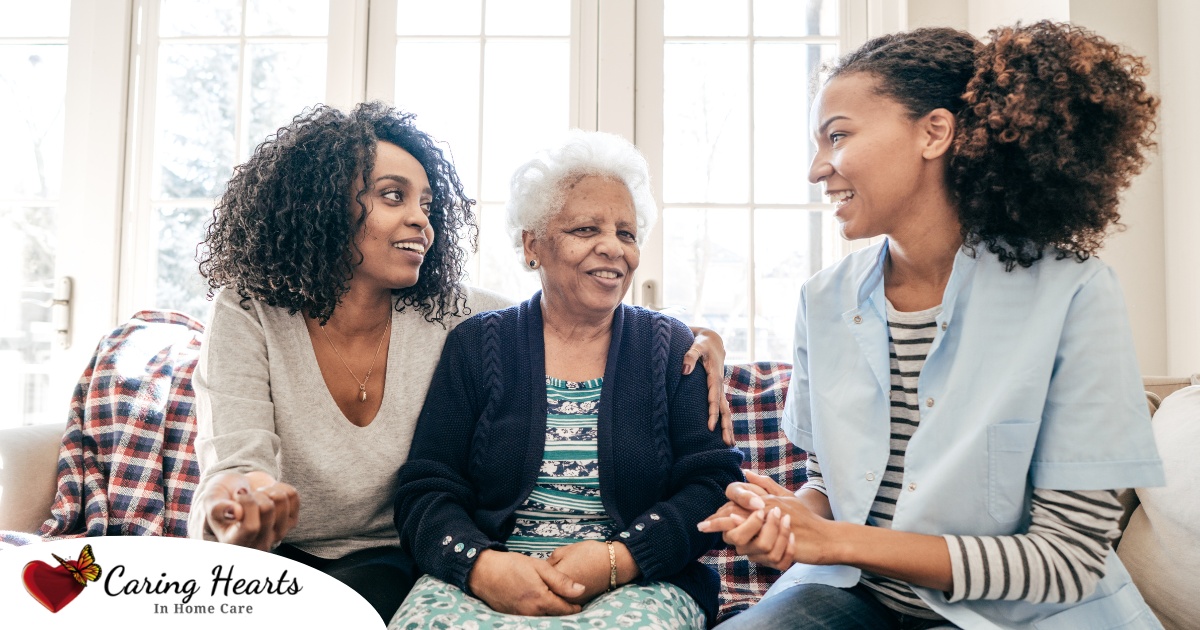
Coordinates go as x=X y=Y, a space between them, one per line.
x=249 y=509
x=515 y=584
x=709 y=349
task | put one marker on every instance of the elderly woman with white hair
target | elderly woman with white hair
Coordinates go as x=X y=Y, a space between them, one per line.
x=561 y=461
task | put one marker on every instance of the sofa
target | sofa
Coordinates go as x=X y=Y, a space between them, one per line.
x=33 y=459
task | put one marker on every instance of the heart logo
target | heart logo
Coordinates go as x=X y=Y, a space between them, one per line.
x=53 y=587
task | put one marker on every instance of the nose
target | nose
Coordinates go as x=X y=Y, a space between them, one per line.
x=609 y=245
x=417 y=218
x=819 y=169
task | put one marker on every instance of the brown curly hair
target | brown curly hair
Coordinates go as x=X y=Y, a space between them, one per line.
x=283 y=233
x=1053 y=122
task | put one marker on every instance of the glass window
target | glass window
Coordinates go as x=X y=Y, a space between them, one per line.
x=491 y=117
x=229 y=73
x=33 y=82
x=741 y=224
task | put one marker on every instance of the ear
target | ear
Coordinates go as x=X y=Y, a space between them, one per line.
x=937 y=133
x=532 y=246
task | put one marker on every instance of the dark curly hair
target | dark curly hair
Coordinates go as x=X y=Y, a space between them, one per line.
x=283 y=232
x=1053 y=122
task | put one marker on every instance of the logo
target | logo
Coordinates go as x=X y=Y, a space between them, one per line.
x=55 y=587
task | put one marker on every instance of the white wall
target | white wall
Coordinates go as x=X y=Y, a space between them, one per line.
x=1179 y=137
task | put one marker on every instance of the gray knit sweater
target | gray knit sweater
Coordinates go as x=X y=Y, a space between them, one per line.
x=263 y=405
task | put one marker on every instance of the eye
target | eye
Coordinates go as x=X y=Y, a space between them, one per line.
x=627 y=236
x=427 y=207
x=835 y=136
x=586 y=230
x=393 y=195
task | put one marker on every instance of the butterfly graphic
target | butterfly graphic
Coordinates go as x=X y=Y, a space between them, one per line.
x=84 y=569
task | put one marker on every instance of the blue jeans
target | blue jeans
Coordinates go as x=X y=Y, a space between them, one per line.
x=818 y=606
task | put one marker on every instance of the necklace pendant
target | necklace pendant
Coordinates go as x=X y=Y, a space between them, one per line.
x=362 y=394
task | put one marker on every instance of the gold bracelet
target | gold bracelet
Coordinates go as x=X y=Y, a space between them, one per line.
x=612 y=566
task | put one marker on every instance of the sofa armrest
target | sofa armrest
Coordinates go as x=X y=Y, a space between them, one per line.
x=28 y=475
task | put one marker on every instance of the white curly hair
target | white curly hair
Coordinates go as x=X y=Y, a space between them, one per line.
x=538 y=188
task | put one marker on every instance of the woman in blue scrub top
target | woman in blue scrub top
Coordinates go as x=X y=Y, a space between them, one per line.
x=967 y=389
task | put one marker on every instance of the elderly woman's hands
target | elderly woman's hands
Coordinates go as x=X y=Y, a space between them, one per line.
x=250 y=510
x=587 y=562
x=516 y=584
x=710 y=348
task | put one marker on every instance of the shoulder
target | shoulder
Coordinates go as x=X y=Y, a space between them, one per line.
x=1051 y=276
x=641 y=326
x=481 y=300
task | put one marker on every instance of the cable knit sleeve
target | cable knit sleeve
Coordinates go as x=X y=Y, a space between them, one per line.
x=435 y=496
x=664 y=538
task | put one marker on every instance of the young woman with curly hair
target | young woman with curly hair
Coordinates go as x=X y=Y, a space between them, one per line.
x=336 y=253
x=967 y=390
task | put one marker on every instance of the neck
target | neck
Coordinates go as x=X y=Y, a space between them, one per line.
x=922 y=251
x=573 y=326
x=361 y=312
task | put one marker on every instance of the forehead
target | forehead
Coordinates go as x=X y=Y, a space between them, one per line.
x=392 y=160
x=595 y=194
x=854 y=96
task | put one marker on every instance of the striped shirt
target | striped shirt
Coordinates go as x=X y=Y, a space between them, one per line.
x=565 y=506
x=1060 y=558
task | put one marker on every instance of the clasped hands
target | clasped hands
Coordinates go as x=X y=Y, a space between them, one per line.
x=250 y=510
x=572 y=576
x=771 y=526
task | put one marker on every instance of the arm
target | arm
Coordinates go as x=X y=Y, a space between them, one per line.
x=708 y=349
x=238 y=499
x=702 y=466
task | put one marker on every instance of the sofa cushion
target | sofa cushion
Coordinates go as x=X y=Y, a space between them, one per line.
x=1159 y=547
x=28 y=456
x=756 y=393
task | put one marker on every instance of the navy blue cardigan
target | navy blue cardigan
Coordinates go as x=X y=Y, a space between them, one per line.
x=479 y=442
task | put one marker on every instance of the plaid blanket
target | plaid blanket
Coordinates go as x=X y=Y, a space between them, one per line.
x=126 y=465
x=756 y=393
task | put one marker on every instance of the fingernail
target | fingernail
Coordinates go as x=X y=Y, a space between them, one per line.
x=702 y=526
x=756 y=503
x=687 y=369
x=775 y=511
x=228 y=514
x=738 y=517
x=577 y=587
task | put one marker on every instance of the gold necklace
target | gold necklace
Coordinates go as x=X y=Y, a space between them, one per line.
x=362 y=385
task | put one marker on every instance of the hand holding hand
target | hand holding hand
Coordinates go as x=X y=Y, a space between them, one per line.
x=587 y=562
x=250 y=510
x=516 y=584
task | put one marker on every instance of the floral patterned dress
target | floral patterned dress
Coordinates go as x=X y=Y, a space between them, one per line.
x=564 y=507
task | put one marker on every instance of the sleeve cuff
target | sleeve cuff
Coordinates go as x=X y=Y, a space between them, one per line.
x=958 y=568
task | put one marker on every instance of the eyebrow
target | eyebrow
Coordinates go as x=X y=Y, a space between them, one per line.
x=830 y=121
x=403 y=181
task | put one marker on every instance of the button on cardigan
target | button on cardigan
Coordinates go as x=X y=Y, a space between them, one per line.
x=481 y=433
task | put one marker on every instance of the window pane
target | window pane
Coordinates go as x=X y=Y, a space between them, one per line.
x=501 y=266
x=33 y=81
x=199 y=17
x=287 y=17
x=787 y=250
x=706 y=271
x=284 y=79
x=706 y=123
x=180 y=286
x=782 y=142
x=528 y=17
x=444 y=17
x=27 y=246
x=518 y=122
x=43 y=18
x=196 y=118
x=795 y=17
x=705 y=17
x=450 y=115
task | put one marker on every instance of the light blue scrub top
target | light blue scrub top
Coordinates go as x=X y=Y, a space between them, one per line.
x=1031 y=381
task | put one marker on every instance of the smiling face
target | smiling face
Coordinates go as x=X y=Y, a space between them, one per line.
x=396 y=234
x=879 y=166
x=589 y=251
